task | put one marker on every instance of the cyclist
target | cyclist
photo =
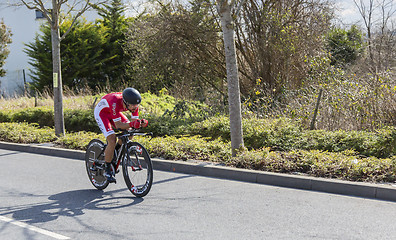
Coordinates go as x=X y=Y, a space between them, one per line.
x=108 y=114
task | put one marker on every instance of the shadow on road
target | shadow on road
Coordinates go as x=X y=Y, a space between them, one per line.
x=172 y=179
x=8 y=154
x=72 y=203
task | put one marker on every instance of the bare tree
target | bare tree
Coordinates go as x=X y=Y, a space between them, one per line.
x=367 y=14
x=386 y=38
x=224 y=8
x=53 y=15
x=377 y=18
x=273 y=40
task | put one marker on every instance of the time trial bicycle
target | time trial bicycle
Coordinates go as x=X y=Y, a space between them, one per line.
x=133 y=157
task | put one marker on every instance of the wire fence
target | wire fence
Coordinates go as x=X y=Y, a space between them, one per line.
x=14 y=83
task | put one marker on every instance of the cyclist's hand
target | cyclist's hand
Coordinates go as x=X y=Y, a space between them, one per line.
x=143 y=123
x=135 y=124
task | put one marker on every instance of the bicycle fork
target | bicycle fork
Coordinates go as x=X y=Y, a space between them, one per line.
x=130 y=162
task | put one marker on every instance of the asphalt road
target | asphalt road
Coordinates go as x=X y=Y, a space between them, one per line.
x=44 y=197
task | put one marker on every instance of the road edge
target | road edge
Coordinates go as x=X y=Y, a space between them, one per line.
x=357 y=189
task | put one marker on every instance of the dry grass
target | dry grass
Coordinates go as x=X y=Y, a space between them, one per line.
x=16 y=103
x=349 y=101
x=83 y=99
x=70 y=102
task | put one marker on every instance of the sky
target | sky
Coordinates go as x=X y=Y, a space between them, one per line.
x=348 y=12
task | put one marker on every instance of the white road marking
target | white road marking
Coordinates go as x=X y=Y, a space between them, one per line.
x=33 y=228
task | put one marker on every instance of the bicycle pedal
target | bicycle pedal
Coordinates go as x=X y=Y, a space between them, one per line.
x=111 y=179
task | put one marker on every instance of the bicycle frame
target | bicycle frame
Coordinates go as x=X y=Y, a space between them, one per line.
x=124 y=136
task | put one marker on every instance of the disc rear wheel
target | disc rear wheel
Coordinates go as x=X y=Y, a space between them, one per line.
x=94 y=163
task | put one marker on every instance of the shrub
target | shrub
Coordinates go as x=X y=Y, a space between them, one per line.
x=286 y=135
x=175 y=120
x=278 y=134
x=156 y=104
x=78 y=140
x=381 y=143
x=213 y=127
x=25 y=133
x=5 y=116
x=342 y=165
x=80 y=120
x=40 y=115
x=165 y=125
x=187 y=148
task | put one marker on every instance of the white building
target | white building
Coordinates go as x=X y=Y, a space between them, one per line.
x=23 y=25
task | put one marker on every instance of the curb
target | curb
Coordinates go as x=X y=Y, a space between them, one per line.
x=358 y=189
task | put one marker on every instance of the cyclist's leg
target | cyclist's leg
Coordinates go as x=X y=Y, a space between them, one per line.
x=109 y=151
x=105 y=126
x=123 y=119
x=102 y=118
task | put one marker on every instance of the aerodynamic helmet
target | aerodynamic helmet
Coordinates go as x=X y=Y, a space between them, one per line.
x=131 y=96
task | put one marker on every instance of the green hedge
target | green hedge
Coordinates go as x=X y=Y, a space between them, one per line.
x=346 y=165
x=285 y=135
x=80 y=120
x=40 y=115
x=381 y=143
x=278 y=134
x=5 y=116
x=25 y=133
x=75 y=120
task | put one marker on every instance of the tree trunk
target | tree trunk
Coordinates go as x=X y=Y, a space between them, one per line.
x=57 y=77
x=234 y=98
x=52 y=16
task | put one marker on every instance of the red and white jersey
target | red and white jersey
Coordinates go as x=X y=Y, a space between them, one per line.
x=109 y=110
x=112 y=105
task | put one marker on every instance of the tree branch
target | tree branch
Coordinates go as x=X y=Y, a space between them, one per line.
x=87 y=6
x=238 y=8
x=41 y=8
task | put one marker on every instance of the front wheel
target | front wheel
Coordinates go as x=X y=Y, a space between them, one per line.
x=94 y=163
x=137 y=169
